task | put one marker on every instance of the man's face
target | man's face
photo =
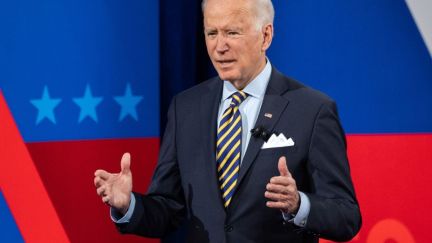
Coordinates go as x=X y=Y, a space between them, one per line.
x=235 y=46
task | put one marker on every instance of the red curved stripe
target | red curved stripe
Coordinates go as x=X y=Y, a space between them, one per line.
x=22 y=186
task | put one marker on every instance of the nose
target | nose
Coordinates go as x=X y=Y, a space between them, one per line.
x=222 y=45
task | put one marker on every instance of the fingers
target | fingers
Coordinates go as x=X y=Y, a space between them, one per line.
x=98 y=181
x=104 y=192
x=125 y=163
x=278 y=197
x=106 y=200
x=286 y=207
x=101 y=191
x=285 y=198
x=278 y=205
x=282 y=167
x=282 y=180
x=283 y=189
x=104 y=175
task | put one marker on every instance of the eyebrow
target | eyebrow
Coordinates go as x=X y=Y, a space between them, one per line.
x=225 y=29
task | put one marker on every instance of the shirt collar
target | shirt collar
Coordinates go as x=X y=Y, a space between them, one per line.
x=256 y=88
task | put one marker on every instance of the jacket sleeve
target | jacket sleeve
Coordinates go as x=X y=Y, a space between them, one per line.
x=334 y=212
x=161 y=210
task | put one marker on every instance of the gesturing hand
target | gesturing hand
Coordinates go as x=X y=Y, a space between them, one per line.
x=115 y=189
x=282 y=190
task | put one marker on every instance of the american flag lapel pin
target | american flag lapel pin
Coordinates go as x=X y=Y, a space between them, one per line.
x=268 y=115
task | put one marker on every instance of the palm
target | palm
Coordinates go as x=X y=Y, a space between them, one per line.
x=121 y=188
x=115 y=188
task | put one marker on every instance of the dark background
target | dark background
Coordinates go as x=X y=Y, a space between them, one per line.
x=183 y=55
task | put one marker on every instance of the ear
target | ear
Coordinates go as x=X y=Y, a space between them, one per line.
x=267 y=32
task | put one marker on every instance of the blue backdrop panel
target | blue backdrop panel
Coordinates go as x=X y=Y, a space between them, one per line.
x=81 y=69
x=9 y=231
x=368 y=55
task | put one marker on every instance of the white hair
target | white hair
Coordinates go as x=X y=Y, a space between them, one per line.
x=263 y=9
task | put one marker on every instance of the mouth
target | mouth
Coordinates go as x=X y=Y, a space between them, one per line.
x=225 y=63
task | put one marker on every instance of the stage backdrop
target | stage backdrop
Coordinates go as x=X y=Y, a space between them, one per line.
x=80 y=85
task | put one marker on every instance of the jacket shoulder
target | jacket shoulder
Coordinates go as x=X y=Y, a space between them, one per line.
x=196 y=91
x=299 y=91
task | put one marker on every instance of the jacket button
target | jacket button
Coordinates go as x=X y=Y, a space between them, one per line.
x=228 y=228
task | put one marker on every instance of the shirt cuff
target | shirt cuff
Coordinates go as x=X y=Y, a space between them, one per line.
x=300 y=219
x=117 y=218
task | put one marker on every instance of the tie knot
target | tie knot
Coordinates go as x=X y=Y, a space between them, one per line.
x=238 y=97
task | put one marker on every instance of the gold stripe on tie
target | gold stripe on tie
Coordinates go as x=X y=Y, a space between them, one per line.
x=230 y=176
x=227 y=112
x=229 y=188
x=227 y=202
x=237 y=98
x=221 y=165
x=227 y=143
x=222 y=126
x=228 y=131
x=229 y=167
x=242 y=94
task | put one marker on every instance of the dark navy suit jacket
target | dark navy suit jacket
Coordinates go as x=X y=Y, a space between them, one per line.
x=185 y=186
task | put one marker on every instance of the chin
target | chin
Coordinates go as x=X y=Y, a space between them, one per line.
x=229 y=76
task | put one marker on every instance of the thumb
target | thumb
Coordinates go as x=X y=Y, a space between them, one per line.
x=125 y=163
x=282 y=167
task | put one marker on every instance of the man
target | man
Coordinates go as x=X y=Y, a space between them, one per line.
x=287 y=181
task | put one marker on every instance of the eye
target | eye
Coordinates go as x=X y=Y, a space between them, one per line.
x=211 y=34
x=232 y=33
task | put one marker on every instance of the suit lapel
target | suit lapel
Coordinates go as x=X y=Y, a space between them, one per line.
x=274 y=103
x=209 y=108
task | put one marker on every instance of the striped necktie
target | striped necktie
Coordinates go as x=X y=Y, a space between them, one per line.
x=228 y=150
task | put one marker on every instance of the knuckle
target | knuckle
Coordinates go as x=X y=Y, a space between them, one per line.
x=291 y=190
x=271 y=195
x=292 y=181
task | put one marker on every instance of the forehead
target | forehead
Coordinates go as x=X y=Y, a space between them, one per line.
x=224 y=13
